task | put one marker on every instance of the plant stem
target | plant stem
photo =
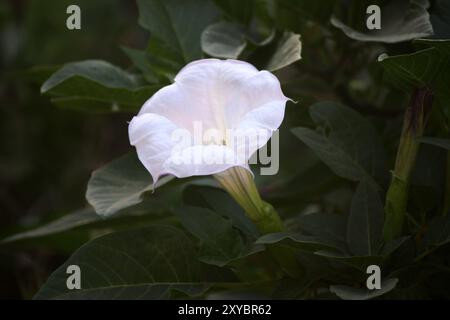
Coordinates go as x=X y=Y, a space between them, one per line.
x=397 y=194
x=239 y=183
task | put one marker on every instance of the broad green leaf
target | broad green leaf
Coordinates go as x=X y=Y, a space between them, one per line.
x=326 y=227
x=164 y=61
x=414 y=69
x=439 y=142
x=302 y=187
x=219 y=201
x=96 y=86
x=178 y=23
x=428 y=67
x=345 y=141
x=389 y=248
x=99 y=71
x=223 y=40
x=358 y=262
x=261 y=29
x=89 y=221
x=141 y=60
x=304 y=10
x=67 y=222
x=157 y=63
x=254 y=16
x=401 y=20
x=365 y=222
x=121 y=100
x=148 y=263
x=290 y=289
x=350 y=293
x=288 y=51
x=121 y=184
x=220 y=242
x=300 y=241
x=238 y=10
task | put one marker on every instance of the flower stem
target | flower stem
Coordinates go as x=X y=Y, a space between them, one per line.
x=239 y=183
x=397 y=194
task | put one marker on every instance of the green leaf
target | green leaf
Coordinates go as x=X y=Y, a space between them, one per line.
x=300 y=187
x=295 y=240
x=288 y=51
x=149 y=263
x=345 y=141
x=141 y=60
x=414 y=69
x=95 y=70
x=121 y=184
x=89 y=221
x=390 y=247
x=439 y=142
x=305 y=10
x=125 y=183
x=223 y=40
x=67 y=222
x=178 y=23
x=401 y=20
x=350 y=293
x=428 y=67
x=358 y=262
x=117 y=100
x=290 y=289
x=365 y=222
x=326 y=227
x=221 y=202
x=238 y=10
x=254 y=16
x=157 y=63
x=96 y=86
x=221 y=243
x=164 y=61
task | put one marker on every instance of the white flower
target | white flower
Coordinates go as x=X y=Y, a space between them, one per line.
x=226 y=98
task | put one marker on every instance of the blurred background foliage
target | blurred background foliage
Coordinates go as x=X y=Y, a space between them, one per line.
x=51 y=143
x=47 y=154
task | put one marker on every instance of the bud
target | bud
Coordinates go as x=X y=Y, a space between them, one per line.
x=397 y=196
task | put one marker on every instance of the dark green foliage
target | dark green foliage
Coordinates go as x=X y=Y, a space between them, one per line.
x=338 y=145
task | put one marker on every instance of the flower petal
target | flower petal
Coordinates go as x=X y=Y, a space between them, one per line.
x=182 y=107
x=151 y=134
x=255 y=92
x=258 y=126
x=229 y=96
x=215 y=93
x=202 y=160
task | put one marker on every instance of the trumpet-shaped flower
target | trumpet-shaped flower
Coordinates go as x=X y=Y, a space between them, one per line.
x=214 y=116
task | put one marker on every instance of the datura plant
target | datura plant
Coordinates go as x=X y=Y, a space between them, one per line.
x=279 y=149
